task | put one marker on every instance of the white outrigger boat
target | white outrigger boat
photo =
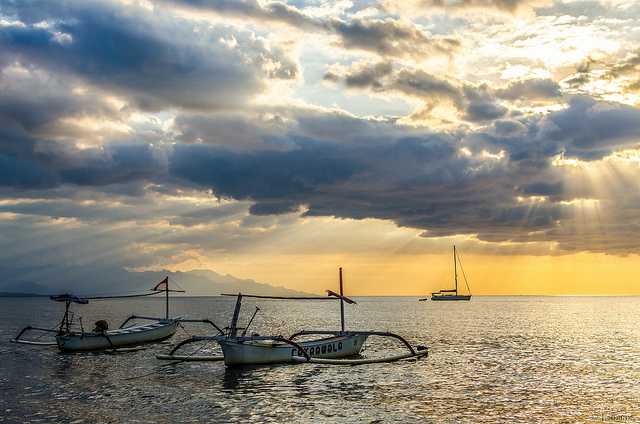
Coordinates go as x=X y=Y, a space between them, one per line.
x=101 y=338
x=333 y=347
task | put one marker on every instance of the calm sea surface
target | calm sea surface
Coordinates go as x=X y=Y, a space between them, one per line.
x=492 y=360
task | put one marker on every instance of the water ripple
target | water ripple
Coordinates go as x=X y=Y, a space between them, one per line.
x=492 y=360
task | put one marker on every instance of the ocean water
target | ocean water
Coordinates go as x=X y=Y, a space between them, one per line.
x=492 y=360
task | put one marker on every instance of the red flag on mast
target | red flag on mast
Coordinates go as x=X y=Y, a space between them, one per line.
x=162 y=285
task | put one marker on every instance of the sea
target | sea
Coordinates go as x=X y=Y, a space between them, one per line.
x=491 y=360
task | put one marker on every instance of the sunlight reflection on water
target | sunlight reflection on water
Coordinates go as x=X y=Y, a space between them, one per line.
x=492 y=360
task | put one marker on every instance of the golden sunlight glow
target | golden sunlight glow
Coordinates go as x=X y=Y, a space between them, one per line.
x=88 y=123
x=531 y=199
x=417 y=275
x=560 y=160
x=583 y=203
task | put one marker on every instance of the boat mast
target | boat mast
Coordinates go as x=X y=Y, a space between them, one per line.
x=65 y=319
x=166 y=296
x=455 y=268
x=341 y=303
x=233 y=328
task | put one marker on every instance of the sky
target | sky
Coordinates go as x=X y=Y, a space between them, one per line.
x=279 y=140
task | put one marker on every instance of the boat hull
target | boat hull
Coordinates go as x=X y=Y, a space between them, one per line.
x=125 y=337
x=452 y=297
x=267 y=352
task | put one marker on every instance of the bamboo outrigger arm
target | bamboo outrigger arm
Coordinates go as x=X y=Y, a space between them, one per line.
x=18 y=339
x=304 y=357
x=132 y=317
x=206 y=321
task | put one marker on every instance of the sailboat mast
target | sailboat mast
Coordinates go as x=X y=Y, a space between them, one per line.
x=455 y=268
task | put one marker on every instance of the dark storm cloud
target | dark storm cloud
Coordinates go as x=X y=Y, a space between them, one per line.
x=421 y=84
x=543 y=189
x=509 y=128
x=19 y=173
x=36 y=149
x=32 y=101
x=531 y=89
x=273 y=208
x=387 y=171
x=157 y=60
x=390 y=38
x=234 y=130
x=591 y=130
x=415 y=181
x=261 y=175
x=475 y=103
x=368 y=76
x=109 y=165
x=270 y=11
x=387 y=37
x=113 y=164
x=481 y=104
x=276 y=160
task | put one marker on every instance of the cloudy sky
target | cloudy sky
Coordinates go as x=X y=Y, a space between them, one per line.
x=279 y=140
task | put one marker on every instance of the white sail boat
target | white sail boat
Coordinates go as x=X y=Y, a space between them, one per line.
x=452 y=294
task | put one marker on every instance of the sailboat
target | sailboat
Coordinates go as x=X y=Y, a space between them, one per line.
x=452 y=294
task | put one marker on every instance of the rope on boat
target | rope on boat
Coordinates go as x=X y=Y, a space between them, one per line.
x=464 y=275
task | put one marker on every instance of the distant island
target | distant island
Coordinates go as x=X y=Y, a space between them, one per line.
x=121 y=281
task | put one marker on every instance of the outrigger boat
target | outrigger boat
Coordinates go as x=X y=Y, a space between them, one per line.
x=331 y=348
x=101 y=338
x=446 y=294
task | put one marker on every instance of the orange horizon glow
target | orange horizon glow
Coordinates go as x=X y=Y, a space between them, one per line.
x=583 y=274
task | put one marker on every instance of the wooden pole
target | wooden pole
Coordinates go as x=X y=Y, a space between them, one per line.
x=233 y=328
x=341 y=303
x=166 y=293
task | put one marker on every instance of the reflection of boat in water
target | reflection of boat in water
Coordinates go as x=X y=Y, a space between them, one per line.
x=70 y=339
x=447 y=294
x=332 y=347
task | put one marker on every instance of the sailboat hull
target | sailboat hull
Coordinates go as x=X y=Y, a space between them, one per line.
x=451 y=297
